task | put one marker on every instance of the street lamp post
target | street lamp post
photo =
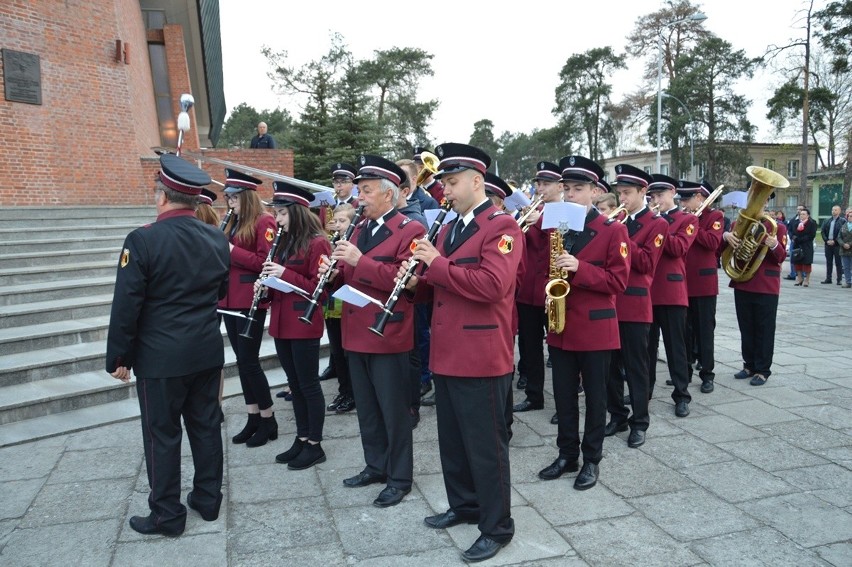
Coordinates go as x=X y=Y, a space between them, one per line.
x=697 y=17
x=691 y=135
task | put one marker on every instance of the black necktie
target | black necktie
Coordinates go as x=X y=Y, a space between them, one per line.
x=457 y=231
x=371 y=227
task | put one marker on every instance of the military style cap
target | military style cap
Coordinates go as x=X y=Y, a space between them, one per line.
x=207 y=197
x=626 y=174
x=458 y=157
x=707 y=187
x=286 y=194
x=343 y=169
x=660 y=182
x=602 y=183
x=418 y=152
x=579 y=168
x=377 y=167
x=686 y=189
x=180 y=175
x=496 y=186
x=237 y=181
x=547 y=171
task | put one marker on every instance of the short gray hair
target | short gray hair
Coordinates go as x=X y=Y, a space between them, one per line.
x=390 y=185
x=176 y=197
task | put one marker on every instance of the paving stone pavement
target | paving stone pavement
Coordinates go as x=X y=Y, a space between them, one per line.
x=755 y=476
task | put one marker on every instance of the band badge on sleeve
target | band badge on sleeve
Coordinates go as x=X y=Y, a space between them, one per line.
x=413 y=245
x=717 y=225
x=270 y=235
x=658 y=240
x=506 y=244
x=125 y=258
x=784 y=241
x=623 y=250
x=690 y=230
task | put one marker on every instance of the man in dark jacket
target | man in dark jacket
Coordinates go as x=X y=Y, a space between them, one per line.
x=262 y=140
x=164 y=326
x=830 y=229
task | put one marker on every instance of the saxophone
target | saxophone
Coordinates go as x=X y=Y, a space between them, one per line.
x=557 y=287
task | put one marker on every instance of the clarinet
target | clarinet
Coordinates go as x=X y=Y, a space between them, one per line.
x=226 y=220
x=387 y=308
x=314 y=299
x=261 y=291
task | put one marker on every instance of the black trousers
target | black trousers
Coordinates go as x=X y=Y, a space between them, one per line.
x=671 y=319
x=252 y=378
x=633 y=358
x=423 y=323
x=474 y=445
x=300 y=360
x=531 y=325
x=162 y=402
x=383 y=396
x=567 y=367
x=832 y=260
x=700 y=335
x=414 y=364
x=756 y=313
x=338 y=361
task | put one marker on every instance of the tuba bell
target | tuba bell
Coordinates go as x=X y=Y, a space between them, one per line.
x=430 y=168
x=557 y=287
x=742 y=262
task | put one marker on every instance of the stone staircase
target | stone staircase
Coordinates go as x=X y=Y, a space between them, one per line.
x=57 y=274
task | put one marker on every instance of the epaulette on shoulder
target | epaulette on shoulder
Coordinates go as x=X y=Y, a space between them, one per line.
x=405 y=222
x=496 y=214
x=608 y=222
x=147 y=225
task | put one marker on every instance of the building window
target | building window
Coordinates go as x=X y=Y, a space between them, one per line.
x=647 y=169
x=793 y=168
x=664 y=169
x=701 y=170
x=154 y=19
x=769 y=163
x=162 y=96
x=792 y=201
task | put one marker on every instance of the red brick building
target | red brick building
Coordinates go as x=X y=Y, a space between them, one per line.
x=90 y=87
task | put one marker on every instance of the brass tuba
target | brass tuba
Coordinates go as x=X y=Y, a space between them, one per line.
x=557 y=287
x=742 y=262
x=430 y=168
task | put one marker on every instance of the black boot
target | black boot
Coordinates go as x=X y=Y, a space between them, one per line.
x=248 y=430
x=268 y=431
x=309 y=456
x=292 y=452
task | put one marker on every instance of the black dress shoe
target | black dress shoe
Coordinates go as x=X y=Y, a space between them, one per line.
x=743 y=374
x=669 y=383
x=327 y=374
x=682 y=409
x=527 y=405
x=549 y=363
x=425 y=388
x=614 y=427
x=390 y=496
x=707 y=386
x=148 y=526
x=628 y=401
x=363 y=478
x=292 y=452
x=310 y=455
x=335 y=402
x=206 y=516
x=447 y=520
x=825 y=281
x=522 y=382
x=636 y=438
x=587 y=478
x=557 y=468
x=555 y=419
x=428 y=400
x=789 y=277
x=345 y=405
x=286 y=394
x=483 y=548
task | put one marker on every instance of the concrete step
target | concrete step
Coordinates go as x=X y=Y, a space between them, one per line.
x=54 y=310
x=14 y=340
x=46 y=291
x=51 y=425
x=40 y=232
x=51 y=258
x=17 y=217
x=22 y=276
x=81 y=242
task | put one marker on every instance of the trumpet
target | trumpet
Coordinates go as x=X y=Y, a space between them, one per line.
x=530 y=208
x=314 y=299
x=387 y=308
x=430 y=168
x=618 y=211
x=709 y=200
x=258 y=295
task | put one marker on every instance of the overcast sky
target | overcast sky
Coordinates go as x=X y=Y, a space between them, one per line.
x=490 y=61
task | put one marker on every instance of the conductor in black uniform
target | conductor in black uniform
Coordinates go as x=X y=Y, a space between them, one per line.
x=164 y=327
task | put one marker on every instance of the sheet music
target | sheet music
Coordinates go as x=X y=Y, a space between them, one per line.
x=286 y=287
x=564 y=216
x=351 y=295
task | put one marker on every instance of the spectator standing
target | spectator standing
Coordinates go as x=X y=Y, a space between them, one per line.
x=830 y=230
x=262 y=140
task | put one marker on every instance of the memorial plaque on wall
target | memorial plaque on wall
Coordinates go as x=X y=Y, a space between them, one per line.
x=22 y=76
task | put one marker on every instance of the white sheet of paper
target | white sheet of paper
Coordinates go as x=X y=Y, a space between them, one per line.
x=564 y=216
x=323 y=198
x=351 y=295
x=432 y=214
x=232 y=313
x=281 y=285
x=516 y=201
